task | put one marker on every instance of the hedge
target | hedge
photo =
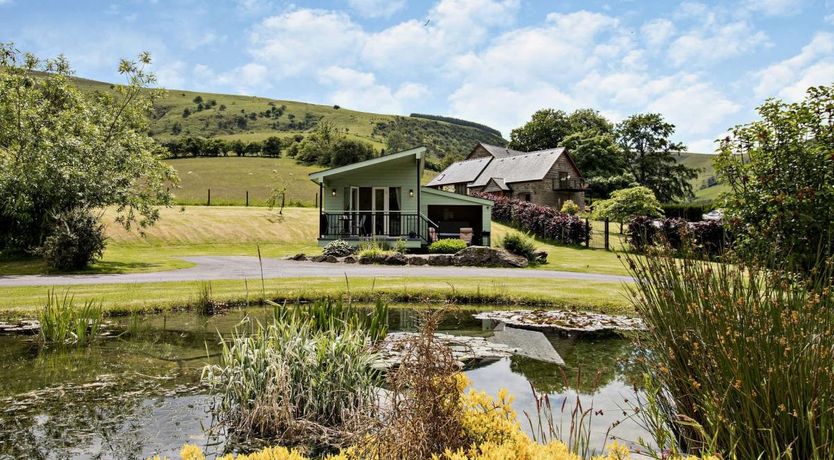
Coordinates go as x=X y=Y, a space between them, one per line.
x=692 y=212
x=708 y=236
x=542 y=221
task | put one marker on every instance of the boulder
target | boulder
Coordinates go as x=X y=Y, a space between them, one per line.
x=483 y=256
x=300 y=256
x=441 y=259
x=541 y=257
x=366 y=260
x=395 y=259
x=349 y=260
x=317 y=258
x=417 y=260
x=330 y=259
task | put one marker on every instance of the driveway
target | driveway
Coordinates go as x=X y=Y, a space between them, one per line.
x=240 y=267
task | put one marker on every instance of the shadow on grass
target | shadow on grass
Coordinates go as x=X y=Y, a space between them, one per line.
x=33 y=265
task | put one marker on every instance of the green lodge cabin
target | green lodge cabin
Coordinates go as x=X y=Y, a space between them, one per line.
x=381 y=199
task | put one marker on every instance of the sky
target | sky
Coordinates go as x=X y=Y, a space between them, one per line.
x=705 y=66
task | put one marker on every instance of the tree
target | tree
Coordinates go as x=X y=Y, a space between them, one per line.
x=348 y=151
x=271 y=147
x=780 y=170
x=396 y=141
x=546 y=129
x=62 y=151
x=650 y=156
x=198 y=100
x=253 y=149
x=628 y=203
x=238 y=147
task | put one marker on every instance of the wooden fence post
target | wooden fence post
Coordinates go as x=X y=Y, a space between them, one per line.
x=247 y=198
x=209 y=198
x=606 y=234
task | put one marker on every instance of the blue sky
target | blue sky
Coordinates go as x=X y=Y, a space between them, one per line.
x=705 y=66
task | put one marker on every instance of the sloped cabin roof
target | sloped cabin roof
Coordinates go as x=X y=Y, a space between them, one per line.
x=418 y=153
x=496 y=151
x=465 y=171
x=526 y=167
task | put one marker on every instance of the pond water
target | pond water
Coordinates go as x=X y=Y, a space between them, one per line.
x=140 y=394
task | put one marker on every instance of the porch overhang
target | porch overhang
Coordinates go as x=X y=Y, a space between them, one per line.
x=320 y=176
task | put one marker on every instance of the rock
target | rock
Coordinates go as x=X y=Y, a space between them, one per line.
x=441 y=259
x=317 y=258
x=349 y=260
x=565 y=321
x=482 y=256
x=541 y=257
x=417 y=260
x=367 y=260
x=300 y=256
x=22 y=327
x=330 y=259
x=395 y=259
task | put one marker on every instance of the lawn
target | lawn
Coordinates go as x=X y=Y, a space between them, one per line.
x=230 y=230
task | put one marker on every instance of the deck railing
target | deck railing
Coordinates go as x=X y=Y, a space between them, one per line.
x=369 y=224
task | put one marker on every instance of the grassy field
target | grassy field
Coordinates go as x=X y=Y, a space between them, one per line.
x=230 y=177
x=200 y=230
x=703 y=162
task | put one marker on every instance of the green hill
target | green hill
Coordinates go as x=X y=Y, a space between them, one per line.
x=706 y=185
x=249 y=118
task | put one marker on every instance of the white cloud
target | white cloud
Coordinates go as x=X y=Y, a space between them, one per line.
x=813 y=65
x=830 y=19
x=775 y=7
x=302 y=40
x=657 y=31
x=695 y=107
x=714 y=42
x=360 y=90
x=376 y=8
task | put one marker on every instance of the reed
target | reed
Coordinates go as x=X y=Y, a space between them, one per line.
x=742 y=356
x=62 y=323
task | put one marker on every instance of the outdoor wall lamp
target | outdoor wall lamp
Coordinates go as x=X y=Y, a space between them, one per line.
x=333 y=192
x=411 y=193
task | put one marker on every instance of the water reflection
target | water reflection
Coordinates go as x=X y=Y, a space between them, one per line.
x=139 y=394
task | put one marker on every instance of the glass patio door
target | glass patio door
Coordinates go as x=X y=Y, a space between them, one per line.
x=380 y=211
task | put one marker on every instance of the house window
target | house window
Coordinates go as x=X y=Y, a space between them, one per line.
x=525 y=196
x=460 y=189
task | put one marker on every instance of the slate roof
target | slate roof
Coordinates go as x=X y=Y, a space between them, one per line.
x=500 y=152
x=524 y=167
x=498 y=184
x=464 y=171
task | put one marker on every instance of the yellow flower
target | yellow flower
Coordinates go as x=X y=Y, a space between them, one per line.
x=191 y=452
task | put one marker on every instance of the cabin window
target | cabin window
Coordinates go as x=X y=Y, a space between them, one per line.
x=394 y=199
x=460 y=189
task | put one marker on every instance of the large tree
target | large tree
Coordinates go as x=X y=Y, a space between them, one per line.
x=650 y=156
x=63 y=151
x=546 y=129
x=589 y=137
x=781 y=173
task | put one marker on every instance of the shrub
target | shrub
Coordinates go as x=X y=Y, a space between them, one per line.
x=707 y=238
x=741 y=355
x=520 y=245
x=541 y=221
x=627 y=203
x=76 y=240
x=570 y=208
x=447 y=246
x=338 y=248
x=689 y=211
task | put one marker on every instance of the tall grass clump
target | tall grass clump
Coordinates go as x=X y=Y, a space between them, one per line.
x=742 y=356
x=301 y=380
x=62 y=323
x=329 y=314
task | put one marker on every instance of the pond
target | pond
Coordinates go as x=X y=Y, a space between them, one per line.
x=140 y=394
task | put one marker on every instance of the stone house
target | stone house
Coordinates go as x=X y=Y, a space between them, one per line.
x=546 y=177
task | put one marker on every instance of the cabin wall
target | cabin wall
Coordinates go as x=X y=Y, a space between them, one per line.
x=401 y=174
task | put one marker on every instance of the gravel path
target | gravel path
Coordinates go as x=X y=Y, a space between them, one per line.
x=240 y=267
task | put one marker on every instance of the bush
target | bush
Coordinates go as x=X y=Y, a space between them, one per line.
x=541 y=221
x=741 y=355
x=627 y=203
x=707 y=238
x=338 y=248
x=76 y=241
x=520 y=245
x=447 y=246
x=570 y=208
x=690 y=212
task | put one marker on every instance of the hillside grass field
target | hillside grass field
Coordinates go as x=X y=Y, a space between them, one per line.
x=229 y=178
x=704 y=163
x=200 y=230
